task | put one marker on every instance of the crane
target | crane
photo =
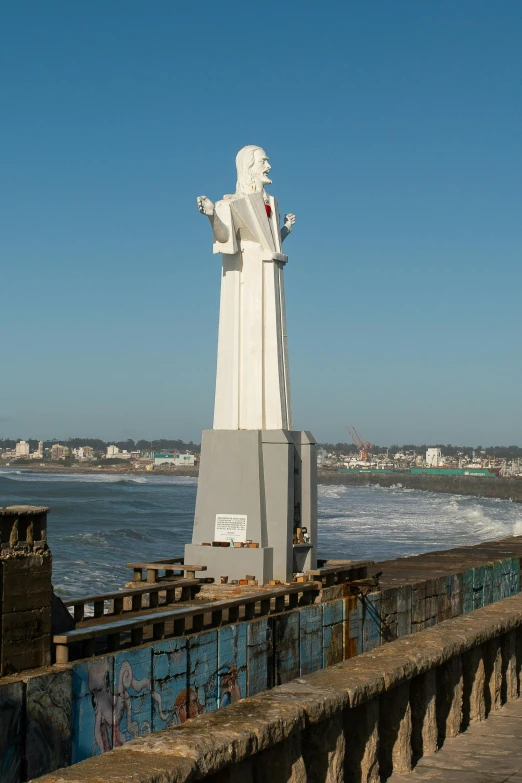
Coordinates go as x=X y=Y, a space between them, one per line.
x=363 y=446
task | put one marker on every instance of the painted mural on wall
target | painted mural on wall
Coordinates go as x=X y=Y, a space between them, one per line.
x=173 y=701
x=132 y=695
x=232 y=662
x=202 y=672
x=92 y=708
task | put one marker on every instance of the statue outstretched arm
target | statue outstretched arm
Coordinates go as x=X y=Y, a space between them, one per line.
x=288 y=226
x=207 y=207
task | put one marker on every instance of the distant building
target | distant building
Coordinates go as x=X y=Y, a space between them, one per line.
x=22 y=449
x=186 y=460
x=434 y=458
x=175 y=458
x=113 y=452
x=164 y=459
x=83 y=453
x=58 y=451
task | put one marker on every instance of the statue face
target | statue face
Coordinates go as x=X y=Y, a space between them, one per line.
x=261 y=168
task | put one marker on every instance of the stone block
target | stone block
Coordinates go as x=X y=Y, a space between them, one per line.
x=450 y=688
x=371 y=621
x=282 y=762
x=12 y=731
x=170 y=705
x=352 y=627
x=362 y=743
x=404 y=599
x=493 y=674
x=48 y=723
x=202 y=651
x=509 y=667
x=286 y=647
x=423 y=693
x=456 y=595
x=18 y=656
x=418 y=606
x=444 y=588
x=467 y=591
x=310 y=639
x=395 y=731
x=232 y=663
x=92 y=707
x=324 y=749
x=260 y=654
x=132 y=715
x=474 y=698
x=26 y=582
x=389 y=600
x=478 y=587
x=333 y=632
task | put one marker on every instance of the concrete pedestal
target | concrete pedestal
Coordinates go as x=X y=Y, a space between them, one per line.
x=269 y=477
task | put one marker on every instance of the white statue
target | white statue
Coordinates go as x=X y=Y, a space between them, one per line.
x=252 y=382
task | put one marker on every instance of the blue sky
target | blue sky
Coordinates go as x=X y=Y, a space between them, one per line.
x=394 y=134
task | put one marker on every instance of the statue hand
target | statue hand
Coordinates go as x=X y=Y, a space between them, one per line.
x=205 y=206
x=289 y=221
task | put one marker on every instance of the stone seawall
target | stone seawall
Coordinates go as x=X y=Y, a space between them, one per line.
x=502 y=488
x=65 y=714
x=357 y=722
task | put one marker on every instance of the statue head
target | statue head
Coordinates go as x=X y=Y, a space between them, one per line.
x=252 y=169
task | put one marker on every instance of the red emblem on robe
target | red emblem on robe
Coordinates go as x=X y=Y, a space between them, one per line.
x=268 y=210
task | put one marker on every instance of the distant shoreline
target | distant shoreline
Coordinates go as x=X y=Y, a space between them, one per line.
x=84 y=469
x=500 y=488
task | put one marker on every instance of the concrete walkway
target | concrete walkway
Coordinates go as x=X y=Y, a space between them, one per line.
x=488 y=751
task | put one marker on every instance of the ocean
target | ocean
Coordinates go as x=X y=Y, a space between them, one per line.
x=98 y=522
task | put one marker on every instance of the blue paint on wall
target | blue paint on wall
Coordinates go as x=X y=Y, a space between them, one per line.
x=169 y=683
x=467 y=591
x=478 y=587
x=286 y=647
x=132 y=694
x=333 y=632
x=92 y=707
x=310 y=639
x=260 y=655
x=371 y=621
x=202 y=652
x=232 y=663
x=11 y=728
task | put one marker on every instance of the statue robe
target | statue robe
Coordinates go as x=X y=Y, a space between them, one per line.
x=252 y=380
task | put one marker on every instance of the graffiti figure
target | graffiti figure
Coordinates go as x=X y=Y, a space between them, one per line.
x=123 y=704
x=230 y=691
x=187 y=705
x=101 y=699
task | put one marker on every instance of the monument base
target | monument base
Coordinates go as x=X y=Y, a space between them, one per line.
x=233 y=563
x=258 y=486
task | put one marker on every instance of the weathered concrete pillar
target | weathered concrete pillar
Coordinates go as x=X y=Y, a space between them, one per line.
x=493 y=663
x=25 y=589
x=509 y=667
x=395 y=731
x=423 y=692
x=474 y=701
x=324 y=749
x=362 y=744
x=450 y=689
